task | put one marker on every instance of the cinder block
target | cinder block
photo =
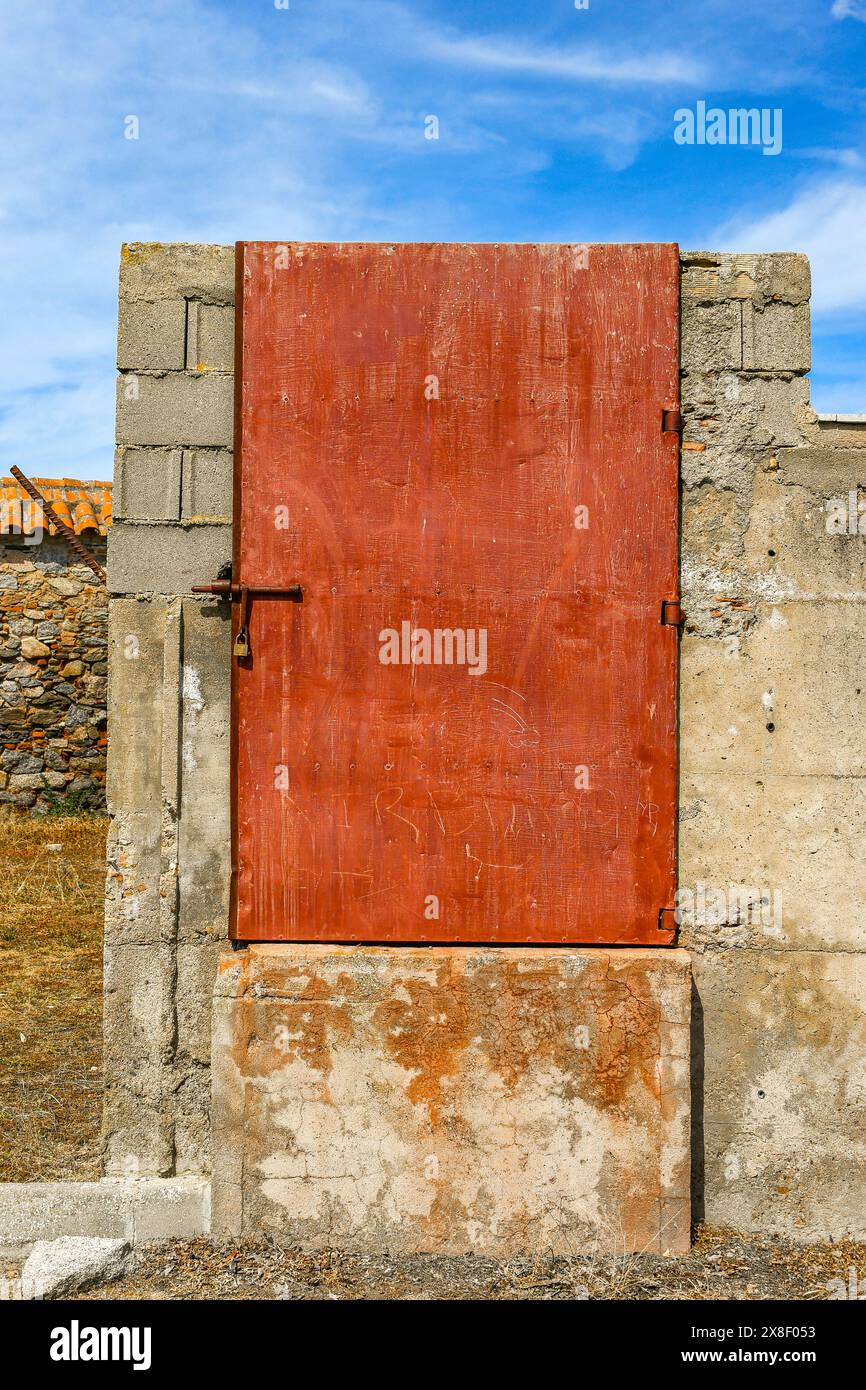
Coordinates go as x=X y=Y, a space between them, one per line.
x=192 y=1150
x=138 y=981
x=500 y=1101
x=154 y=270
x=151 y=335
x=138 y=1043
x=196 y=965
x=776 y=277
x=841 y=432
x=728 y=413
x=136 y=633
x=165 y=559
x=781 y=277
x=31 y=1211
x=713 y=521
x=711 y=336
x=155 y=484
x=147 y=484
x=777 y=338
x=797 y=836
x=825 y=463
x=176 y=409
x=204 y=828
x=699 y=276
x=171 y=1209
x=210 y=337
x=775 y=702
x=207 y=484
x=788 y=551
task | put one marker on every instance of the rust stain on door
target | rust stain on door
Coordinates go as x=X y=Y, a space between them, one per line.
x=466 y=731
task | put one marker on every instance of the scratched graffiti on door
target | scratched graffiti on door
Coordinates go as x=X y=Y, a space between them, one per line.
x=464 y=729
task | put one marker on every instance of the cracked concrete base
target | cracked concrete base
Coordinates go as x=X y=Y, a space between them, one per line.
x=453 y=1099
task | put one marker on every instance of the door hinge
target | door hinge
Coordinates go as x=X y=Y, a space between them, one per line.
x=672 y=613
x=668 y=920
x=672 y=421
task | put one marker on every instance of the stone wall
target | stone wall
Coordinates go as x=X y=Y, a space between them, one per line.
x=53 y=669
x=772 y=690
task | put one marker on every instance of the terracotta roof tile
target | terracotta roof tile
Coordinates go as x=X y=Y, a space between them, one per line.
x=85 y=506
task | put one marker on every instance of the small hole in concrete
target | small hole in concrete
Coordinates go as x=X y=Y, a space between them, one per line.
x=771 y=552
x=760 y=1095
x=770 y=728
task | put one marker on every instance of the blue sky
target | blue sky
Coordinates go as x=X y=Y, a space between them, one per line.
x=307 y=122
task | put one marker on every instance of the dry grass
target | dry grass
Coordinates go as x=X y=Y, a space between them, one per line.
x=721 y=1264
x=51 y=996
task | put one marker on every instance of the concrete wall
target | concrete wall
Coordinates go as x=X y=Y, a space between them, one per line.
x=168 y=776
x=771 y=789
x=773 y=694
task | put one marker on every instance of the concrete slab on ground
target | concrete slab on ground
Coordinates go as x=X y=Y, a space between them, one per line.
x=130 y=1209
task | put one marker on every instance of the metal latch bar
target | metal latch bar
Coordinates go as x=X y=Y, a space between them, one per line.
x=224 y=588
x=244 y=594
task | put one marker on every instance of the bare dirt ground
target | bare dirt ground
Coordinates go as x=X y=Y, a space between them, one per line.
x=51 y=911
x=721 y=1265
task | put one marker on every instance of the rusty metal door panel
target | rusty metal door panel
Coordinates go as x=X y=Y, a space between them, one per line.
x=419 y=429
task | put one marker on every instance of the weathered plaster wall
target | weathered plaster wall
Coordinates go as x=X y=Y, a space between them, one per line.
x=53 y=664
x=774 y=607
x=773 y=695
x=453 y=1099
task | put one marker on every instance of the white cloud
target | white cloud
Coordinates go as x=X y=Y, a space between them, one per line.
x=849 y=9
x=826 y=221
x=844 y=158
x=573 y=65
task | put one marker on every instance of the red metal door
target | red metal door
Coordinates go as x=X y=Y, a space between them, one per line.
x=466 y=729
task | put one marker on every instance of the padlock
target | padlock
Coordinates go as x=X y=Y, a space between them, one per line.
x=242 y=641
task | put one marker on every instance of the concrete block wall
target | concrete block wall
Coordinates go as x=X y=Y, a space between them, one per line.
x=771 y=769
x=168 y=775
